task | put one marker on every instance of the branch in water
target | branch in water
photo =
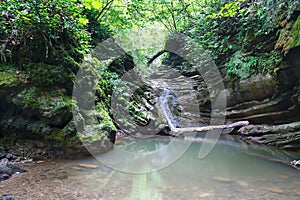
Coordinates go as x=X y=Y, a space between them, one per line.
x=209 y=128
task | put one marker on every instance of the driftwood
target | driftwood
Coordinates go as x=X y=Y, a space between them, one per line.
x=209 y=128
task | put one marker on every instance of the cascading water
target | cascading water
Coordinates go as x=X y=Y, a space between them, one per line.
x=167 y=103
x=176 y=99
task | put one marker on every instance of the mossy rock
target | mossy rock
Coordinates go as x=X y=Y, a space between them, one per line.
x=49 y=76
x=58 y=135
x=295 y=34
x=104 y=118
x=53 y=107
x=97 y=125
x=8 y=77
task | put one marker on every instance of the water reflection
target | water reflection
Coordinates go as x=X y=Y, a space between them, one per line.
x=144 y=155
x=147 y=186
x=233 y=170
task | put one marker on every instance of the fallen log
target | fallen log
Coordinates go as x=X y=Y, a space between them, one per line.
x=209 y=128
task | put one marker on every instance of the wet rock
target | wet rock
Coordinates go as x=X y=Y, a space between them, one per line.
x=258 y=130
x=52 y=107
x=2 y=155
x=10 y=156
x=3 y=177
x=286 y=136
x=6 y=197
x=257 y=87
x=296 y=163
x=9 y=167
x=41 y=111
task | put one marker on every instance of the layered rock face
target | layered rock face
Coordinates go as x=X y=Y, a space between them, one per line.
x=272 y=99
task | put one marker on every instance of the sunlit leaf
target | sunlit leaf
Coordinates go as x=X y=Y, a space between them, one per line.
x=96 y=4
x=83 y=21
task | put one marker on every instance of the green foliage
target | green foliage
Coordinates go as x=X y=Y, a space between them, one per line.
x=8 y=77
x=175 y=15
x=229 y=10
x=59 y=24
x=244 y=66
x=230 y=29
x=58 y=32
x=62 y=31
x=112 y=15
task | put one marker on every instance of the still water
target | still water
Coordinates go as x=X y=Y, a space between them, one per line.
x=233 y=170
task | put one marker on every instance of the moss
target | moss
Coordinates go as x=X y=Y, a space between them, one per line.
x=39 y=98
x=7 y=76
x=98 y=126
x=104 y=118
x=295 y=34
x=56 y=134
x=91 y=137
x=43 y=75
x=298 y=7
x=7 y=79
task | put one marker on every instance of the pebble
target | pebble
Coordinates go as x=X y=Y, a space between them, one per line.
x=275 y=189
x=243 y=183
x=222 y=179
x=284 y=177
x=204 y=195
x=27 y=161
x=88 y=166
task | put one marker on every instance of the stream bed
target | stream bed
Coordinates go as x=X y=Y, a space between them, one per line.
x=233 y=170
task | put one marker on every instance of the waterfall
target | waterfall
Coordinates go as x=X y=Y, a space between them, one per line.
x=167 y=102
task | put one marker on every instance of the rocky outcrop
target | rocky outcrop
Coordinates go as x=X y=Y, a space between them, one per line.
x=36 y=107
x=260 y=102
x=286 y=136
x=272 y=99
x=9 y=165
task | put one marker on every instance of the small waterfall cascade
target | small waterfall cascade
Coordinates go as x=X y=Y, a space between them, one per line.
x=176 y=98
x=167 y=104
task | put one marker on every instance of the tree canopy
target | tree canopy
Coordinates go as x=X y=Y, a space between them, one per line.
x=63 y=31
